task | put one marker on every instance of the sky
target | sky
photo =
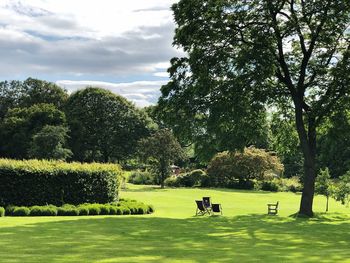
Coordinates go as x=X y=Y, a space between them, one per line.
x=123 y=46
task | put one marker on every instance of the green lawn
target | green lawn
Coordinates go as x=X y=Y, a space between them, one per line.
x=244 y=234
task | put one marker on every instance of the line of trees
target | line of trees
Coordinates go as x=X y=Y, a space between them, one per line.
x=38 y=119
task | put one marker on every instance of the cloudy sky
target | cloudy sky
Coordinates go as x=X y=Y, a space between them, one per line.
x=124 y=46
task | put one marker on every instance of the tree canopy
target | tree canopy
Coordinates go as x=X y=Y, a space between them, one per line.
x=245 y=55
x=104 y=126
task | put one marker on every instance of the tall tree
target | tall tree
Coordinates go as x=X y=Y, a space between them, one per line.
x=161 y=150
x=104 y=126
x=243 y=55
x=21 y=124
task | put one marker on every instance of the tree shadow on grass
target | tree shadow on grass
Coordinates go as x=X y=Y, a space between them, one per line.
x=248 y=238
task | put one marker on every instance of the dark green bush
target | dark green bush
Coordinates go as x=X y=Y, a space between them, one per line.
x=126 y=211
x=20 y=211
x=172 y=181
x=271 y=186
x=104 y=209
x=43 y=211
x=2 y=211
x=119 y=210
x=138 y=177
x=94 y=209
x=67 y=210
x=113 y=210
x=83 y=211
x=150 y=209
x=34 y=182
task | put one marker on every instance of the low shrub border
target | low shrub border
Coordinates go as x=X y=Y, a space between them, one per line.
x=123 y=207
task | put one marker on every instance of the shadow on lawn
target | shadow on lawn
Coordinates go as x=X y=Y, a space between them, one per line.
x=201 y=239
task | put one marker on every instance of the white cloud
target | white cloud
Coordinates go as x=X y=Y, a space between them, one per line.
x=142 y=93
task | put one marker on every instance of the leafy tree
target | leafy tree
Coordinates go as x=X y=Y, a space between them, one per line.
x=21 y=124
x=342 y=192
x=285 y=142
x=228 y=167
x=161 y=150
x=324 y=185
x=50 y=143
x=11 y=93
x=21 y=94
x=334 y=143
x=104 y=126
x=39 y=91
x=244 y=55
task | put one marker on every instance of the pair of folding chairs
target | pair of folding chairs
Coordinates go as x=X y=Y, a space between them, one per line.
x=205 y=206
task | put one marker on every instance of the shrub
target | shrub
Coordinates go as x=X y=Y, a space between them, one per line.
x=226 y=168
x=94 y=209
x=104 y=209
x=20 y=211
x=270 y=186
x=172 y=181
x=68 y=210
x=138 y=177
x=43 y=211
x=2 y=211
x=119 y=210
x=126 y=211
x=34 y=182
x=112 y=210
x=83 y=211
x=150 y=209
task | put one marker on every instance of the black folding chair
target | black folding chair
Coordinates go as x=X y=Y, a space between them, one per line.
x=201 y=209
x=216 y=208
x=207 y=202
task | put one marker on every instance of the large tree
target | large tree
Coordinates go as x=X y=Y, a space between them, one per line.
x=20 y=125
x=104 y=126
x=244 y=55
x=161 y=150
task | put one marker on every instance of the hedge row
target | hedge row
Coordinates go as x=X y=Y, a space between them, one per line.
x=40 y=182
x=2 y=212
x=121 y=208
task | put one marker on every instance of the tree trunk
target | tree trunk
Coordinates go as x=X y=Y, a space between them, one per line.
x=327 y=203
x=308 y=145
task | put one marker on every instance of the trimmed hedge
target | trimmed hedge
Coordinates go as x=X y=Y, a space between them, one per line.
x=40 y=182
x=124 y=207
x=2 y=211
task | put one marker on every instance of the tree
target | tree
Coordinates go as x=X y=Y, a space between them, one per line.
x=245 y=55
x=50 y=143
x=251 y=164
x=342 y=192
x=21 y=94
x=21 y=124
x=324 y=185
x=103 y=126
x=161 y=150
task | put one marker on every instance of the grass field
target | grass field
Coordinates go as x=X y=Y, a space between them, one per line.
x=243 y=234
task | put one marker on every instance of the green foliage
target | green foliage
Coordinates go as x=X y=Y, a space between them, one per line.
x=49 y=143
x=227 y=169
x=161 y=150
x=271 y=186
x=35 y=182
x=139 y=177
x=21 y=124
x=324 y=185
x=342 y=192
x=83 y=211
x=2 y=211
x=104 y=126
x=67 y=210
x=18 y=94
x=20 y=211
x=43 y=211
x=193 y=178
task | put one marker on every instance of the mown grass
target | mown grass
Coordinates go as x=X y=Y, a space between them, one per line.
x=244 y=234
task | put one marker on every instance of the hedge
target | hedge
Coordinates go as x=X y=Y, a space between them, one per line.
x=40 y=182
x=124 y=207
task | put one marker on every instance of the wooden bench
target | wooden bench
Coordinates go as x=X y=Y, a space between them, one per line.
x=272 y=209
